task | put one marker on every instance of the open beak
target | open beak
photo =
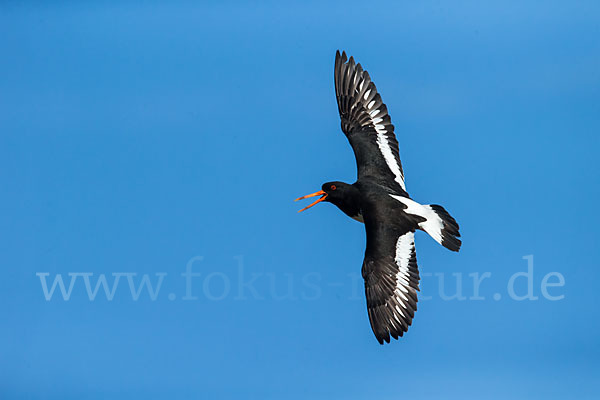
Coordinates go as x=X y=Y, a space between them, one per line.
x=319 y=193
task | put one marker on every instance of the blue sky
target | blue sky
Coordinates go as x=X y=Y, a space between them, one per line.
x=135 y=139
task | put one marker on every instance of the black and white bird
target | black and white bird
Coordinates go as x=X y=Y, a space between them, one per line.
x=380 y=200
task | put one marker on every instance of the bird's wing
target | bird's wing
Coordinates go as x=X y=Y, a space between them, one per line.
x=391 y=277
x=367 y=124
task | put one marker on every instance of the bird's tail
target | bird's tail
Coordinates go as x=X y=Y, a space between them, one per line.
x=434 y=220
x=442 y=227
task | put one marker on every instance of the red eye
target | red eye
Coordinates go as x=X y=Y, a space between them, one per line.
x=333 y=187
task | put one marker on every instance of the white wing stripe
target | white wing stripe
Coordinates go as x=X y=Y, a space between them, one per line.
x=386 y=151
x=404 y=250
x=382 y=140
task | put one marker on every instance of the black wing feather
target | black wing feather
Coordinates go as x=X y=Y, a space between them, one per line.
x=367 y=124
x=391 y=274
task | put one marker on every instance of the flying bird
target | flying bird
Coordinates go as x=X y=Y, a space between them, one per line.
x=379 y=199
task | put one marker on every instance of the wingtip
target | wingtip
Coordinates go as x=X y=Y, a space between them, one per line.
x=341 y=56
x=391 y=335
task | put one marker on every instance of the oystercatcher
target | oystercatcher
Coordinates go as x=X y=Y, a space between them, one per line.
x=379 y=199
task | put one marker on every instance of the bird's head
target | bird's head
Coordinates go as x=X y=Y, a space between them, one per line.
x=332 y=192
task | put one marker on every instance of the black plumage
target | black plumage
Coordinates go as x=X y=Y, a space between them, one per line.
x=379 y=199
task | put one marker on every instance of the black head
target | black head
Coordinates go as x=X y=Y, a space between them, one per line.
x=333 y=192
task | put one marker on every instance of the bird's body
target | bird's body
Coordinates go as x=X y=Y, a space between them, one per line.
x=379 y=199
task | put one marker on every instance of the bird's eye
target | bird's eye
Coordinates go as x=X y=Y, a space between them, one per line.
x=333 y=187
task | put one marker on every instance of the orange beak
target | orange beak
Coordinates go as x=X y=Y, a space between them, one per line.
x=319 y=193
